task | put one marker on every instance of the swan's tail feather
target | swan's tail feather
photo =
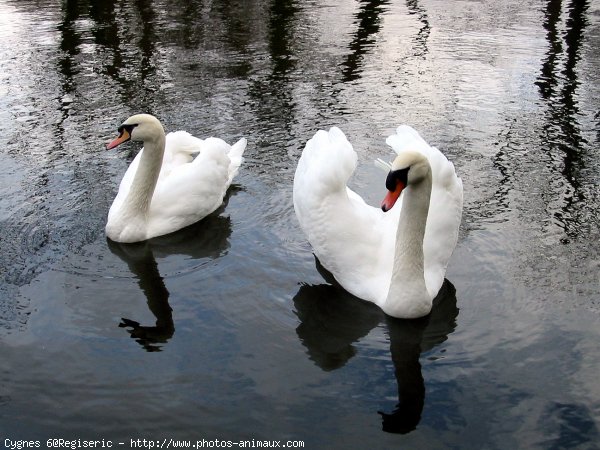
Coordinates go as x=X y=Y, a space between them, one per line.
x=235 y=156
x=228 y=157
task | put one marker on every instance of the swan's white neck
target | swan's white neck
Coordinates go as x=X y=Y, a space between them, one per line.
x=137 y=202
x=408 y=296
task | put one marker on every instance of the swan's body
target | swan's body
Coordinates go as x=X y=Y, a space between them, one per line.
x=165 y=188
x=395 y=259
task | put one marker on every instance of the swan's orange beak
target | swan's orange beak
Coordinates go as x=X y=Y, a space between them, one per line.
x=392 y=196
x=123 y=137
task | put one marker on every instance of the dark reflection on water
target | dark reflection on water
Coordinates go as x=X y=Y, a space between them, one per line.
x=507 y=87
x=560 y=157
x=126 y=50
x=208 y=238
x=142 y=264
x=408 y=340
x=368 y=23
x=106 y=32
x=424 y=31
x=558 y=83
x=272 y=96
x=69 y=44
x=333 y=321
x=281 y=26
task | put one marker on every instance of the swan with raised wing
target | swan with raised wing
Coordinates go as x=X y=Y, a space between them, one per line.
x=166 y=187
x=394 y=256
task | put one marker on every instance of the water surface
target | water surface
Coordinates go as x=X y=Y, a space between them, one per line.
x=228 y=329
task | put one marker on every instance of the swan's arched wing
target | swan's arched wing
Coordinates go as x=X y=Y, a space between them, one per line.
x=443 y=223
x=190 y=191
x=327 y=162
x=346 y=234
x=180 y=148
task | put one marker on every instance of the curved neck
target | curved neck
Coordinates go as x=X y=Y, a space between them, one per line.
x=146 y=176
x=408 y=296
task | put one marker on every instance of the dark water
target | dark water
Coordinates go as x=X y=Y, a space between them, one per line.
x=227 y=330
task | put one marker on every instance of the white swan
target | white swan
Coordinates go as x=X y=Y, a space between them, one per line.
x=395 y=259
x=165 y=188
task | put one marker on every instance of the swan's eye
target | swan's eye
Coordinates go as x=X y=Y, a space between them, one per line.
x=396 y=176
x=128 y=128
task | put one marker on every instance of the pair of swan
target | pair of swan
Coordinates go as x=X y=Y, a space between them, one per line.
x=395 y=257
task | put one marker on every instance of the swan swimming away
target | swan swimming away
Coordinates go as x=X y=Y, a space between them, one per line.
x=165 y=187
x=394 y=256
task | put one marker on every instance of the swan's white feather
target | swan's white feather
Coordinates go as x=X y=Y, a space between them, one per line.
x=355 y=241
x=188 y=188
x=347 y=235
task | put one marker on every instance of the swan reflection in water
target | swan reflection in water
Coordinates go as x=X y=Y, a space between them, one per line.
x=332 y=320
x=207 y=239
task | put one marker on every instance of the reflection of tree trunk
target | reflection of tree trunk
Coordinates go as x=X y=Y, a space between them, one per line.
x=368 y=19
x=558 y=82
x=70 y=40
x=576 y=23
x=424 y=32
x=547 y=80
x=551 y=74
x=106 y=35
x=280 y=35
x=148 y=38
x=273 y=94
